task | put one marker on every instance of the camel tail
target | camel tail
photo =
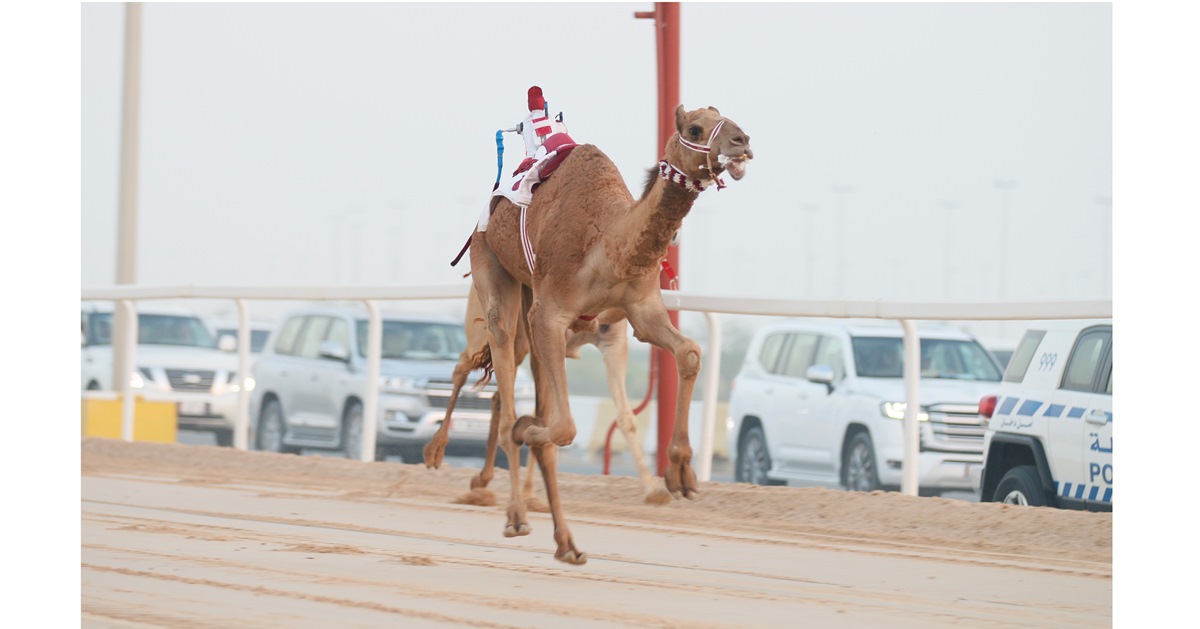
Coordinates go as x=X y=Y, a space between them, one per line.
x=482 y=360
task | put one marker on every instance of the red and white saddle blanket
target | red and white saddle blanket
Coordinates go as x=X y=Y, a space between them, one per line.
x=533 y=171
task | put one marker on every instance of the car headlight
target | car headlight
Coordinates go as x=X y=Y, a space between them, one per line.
x=231 y=381
x=136 y=381
x=398 y=384
x=895 y=410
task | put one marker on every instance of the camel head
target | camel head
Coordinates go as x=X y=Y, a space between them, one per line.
x=700 y=153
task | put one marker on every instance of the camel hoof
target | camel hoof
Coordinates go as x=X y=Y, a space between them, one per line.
x=517 y=531
x=659 y=496
x=432 y=455
x=477 y=482
x=681 y=481
x=524 y=422
x=572 y=557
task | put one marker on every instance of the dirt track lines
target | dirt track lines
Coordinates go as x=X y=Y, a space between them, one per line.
x=763 y=535
x=787 y=589
x=342 y=602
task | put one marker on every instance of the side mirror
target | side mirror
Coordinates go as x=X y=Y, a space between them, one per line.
x=820 y=374
x=334 y=350
x=227 y=343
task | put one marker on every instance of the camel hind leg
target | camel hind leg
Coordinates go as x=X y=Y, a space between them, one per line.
x=613 y=341
x=476 y=355
x=652 y=324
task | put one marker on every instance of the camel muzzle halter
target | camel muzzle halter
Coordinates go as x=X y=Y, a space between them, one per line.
x=672 y=173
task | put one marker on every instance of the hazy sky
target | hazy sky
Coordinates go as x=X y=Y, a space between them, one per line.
x=317 y=143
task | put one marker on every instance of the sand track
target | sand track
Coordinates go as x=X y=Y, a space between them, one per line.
x=200 y=536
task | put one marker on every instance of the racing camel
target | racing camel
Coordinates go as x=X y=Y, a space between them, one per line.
x=583 y=246
x=609 y=333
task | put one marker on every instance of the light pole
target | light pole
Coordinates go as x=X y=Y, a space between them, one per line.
x=949 y=207
x=1004 y=185
x=841 y=190
x=127 y=199
x=811 y=209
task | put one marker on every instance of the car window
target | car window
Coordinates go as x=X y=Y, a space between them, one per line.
x=947 y=359
x=1023 y=355
x=830 y=353
x=154 y=329
x=769 y=356
x=416 y=340
x=258 y=338
x=799 y=354
x=287 y=336
x=309 y=343
x=1086 y=360
x=339 y=332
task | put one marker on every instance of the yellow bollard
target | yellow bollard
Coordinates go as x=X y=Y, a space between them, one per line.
x=152 y=421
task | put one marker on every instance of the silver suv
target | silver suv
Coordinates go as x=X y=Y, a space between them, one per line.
x=823 y=401
x=177 y=360
x=311 y=378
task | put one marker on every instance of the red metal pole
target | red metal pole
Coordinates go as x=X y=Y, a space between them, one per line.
x=666 y=28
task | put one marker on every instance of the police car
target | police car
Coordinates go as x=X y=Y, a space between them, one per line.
x=1049 y=438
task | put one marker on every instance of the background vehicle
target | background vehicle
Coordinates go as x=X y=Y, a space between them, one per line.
x=823 y=401
x=1049 y=436
x=176 y=357
x=259 y=332
x=311 y=380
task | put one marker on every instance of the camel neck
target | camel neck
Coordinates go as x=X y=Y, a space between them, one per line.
x=655 y=219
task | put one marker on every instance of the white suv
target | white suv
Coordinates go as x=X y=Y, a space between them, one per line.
x=177 y=359
x=1049 y=440
x=311 y=378
x=823 y=401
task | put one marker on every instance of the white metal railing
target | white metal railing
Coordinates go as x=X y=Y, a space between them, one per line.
x=907 y=313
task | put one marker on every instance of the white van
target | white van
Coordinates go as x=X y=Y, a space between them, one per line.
x=1049 y=437
x=824 y=400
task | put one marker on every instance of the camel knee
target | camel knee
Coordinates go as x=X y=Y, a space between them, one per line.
x=688 y=359
x=495 y=327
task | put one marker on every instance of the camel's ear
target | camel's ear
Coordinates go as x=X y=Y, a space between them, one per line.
x=715 y=110
x=679 y=114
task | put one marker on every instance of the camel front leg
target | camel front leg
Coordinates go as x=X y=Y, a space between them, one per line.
x=547 y=333
x=651 y=324
x=547 y=458
x=614 y=347
x=500 y=295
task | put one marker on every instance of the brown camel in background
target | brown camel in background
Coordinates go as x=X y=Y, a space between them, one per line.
x=609 y=333
x=596 y=249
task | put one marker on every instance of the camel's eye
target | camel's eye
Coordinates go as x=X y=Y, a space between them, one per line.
x=694 y=132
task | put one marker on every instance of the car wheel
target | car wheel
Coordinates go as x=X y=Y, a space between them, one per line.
x=93 y=386
x=352 y=432
x=753 y=459
x=410 y=454
x=271 y=429
x=1021 y=486
x=224 y=438
x=859 y=463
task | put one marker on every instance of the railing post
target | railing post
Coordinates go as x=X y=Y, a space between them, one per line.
x=909 y=480
x=370 y=419
x=128 y=352
x=241 y=423
x=711 y=383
